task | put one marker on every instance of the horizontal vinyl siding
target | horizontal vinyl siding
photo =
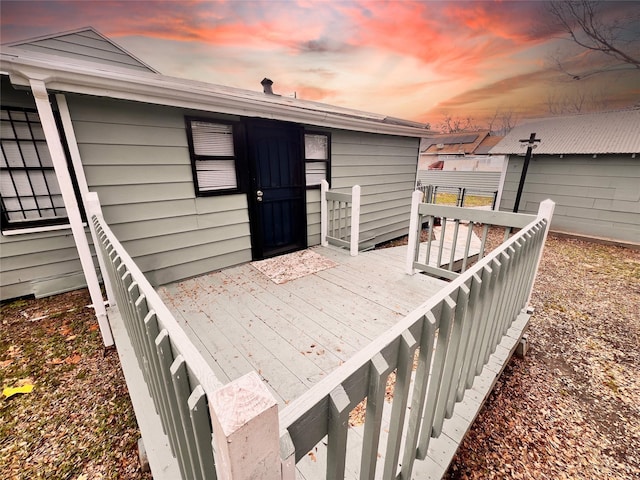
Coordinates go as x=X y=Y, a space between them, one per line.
x=85 y=46
x=313 y=216
x=594 y=196
x=385 y=167
x=136 y=158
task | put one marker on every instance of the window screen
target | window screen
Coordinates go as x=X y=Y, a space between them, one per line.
x=213 y=156
x=28 y=185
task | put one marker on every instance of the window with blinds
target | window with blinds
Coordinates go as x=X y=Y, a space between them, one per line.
x=213 y=156
x=316 y=154
x=28 y=185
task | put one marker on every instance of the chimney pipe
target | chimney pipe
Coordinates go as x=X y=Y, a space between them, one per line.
x=266 y=85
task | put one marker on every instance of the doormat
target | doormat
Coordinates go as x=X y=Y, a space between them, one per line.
x=293 y=265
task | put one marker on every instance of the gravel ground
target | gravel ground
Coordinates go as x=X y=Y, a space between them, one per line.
x=569 y=409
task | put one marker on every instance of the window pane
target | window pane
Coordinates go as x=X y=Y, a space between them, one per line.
x=22 y=130
x=216 y=174
x=212 y=139
x=21 y=181
x=37 y=131
x=316 y=147
x=315 y=172
x=37 y=183
x=12 y=153
x=29 y=154
x=43 y=152
x=6 y=131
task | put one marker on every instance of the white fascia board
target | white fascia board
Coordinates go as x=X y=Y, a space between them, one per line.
x=163 y=90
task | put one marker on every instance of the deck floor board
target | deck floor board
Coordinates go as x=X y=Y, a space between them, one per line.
x=293 y=334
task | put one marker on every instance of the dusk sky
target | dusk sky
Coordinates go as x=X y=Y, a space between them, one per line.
x=414 y=60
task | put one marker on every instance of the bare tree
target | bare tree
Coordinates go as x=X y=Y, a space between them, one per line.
x=451 y=124
x=502 y=121
x=588 y=26
x=577 y=101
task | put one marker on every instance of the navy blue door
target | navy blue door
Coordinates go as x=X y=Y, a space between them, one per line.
x=277 y=194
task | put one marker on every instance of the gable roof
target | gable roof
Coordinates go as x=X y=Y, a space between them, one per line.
x=83 y=44
x=453 y=143
x=589 y=134
x=91 y=76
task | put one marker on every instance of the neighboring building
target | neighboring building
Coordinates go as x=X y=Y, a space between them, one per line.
x=192 y=177
x=460 y=160
x=588 y=164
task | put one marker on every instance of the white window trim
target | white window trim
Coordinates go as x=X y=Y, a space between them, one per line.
x=49 y=228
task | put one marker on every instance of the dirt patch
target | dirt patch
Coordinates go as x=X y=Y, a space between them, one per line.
x=571 y=408
x=77 y=422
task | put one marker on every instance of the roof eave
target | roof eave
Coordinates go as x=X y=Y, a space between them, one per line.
x=170 y=91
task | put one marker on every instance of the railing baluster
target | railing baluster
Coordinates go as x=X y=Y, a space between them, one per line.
x=454 y=244
x=462 y=362
x=379 y=370
x=483 y=240
x=338 y=428
x=182 y=390
x=443 y=224
x=467 y=246
x=445 y=323
x=165 y=357
x=199 y=417
x=408 y=346
x=427 y=260
x=490 y=316
x=478 y=328
x=418 y=398
x=453 y=353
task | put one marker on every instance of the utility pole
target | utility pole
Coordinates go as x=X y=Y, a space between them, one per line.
x=531 y=144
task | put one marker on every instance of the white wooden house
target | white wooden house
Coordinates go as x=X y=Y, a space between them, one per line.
x=589 y=164
x=192 y=176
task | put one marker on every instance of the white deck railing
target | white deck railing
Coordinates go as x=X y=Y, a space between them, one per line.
x=419 y=254
x=234 y=432
x=340 y=218
x=453 y=335
x=202 y=418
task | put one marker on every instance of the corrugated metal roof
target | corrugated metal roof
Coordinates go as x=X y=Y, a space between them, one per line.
x=595 y=133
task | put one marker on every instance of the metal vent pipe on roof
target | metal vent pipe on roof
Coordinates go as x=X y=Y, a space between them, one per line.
x=266 y=85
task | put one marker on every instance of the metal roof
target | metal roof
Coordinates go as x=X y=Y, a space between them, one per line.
x=463 y=143
x=589 y=134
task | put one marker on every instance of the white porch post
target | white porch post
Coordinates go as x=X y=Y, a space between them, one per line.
x=545 y=210
x=71 y=205
x=324 y=213
x=244 y=417
x=76 y=160
x=414 y=240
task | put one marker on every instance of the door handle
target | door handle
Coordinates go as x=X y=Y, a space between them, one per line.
x=259 y=195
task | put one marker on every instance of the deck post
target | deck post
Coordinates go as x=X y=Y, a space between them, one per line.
x=92 y=207
x=324 y=213
x=545 y=211
x=414 y=239
x=355 y=219
x=244 y=417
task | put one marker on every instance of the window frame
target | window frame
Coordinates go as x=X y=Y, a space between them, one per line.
x=236 y=135
x=13 y=226
x=314 y=160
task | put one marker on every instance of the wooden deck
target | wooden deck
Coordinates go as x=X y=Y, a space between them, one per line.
x=295 y=333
